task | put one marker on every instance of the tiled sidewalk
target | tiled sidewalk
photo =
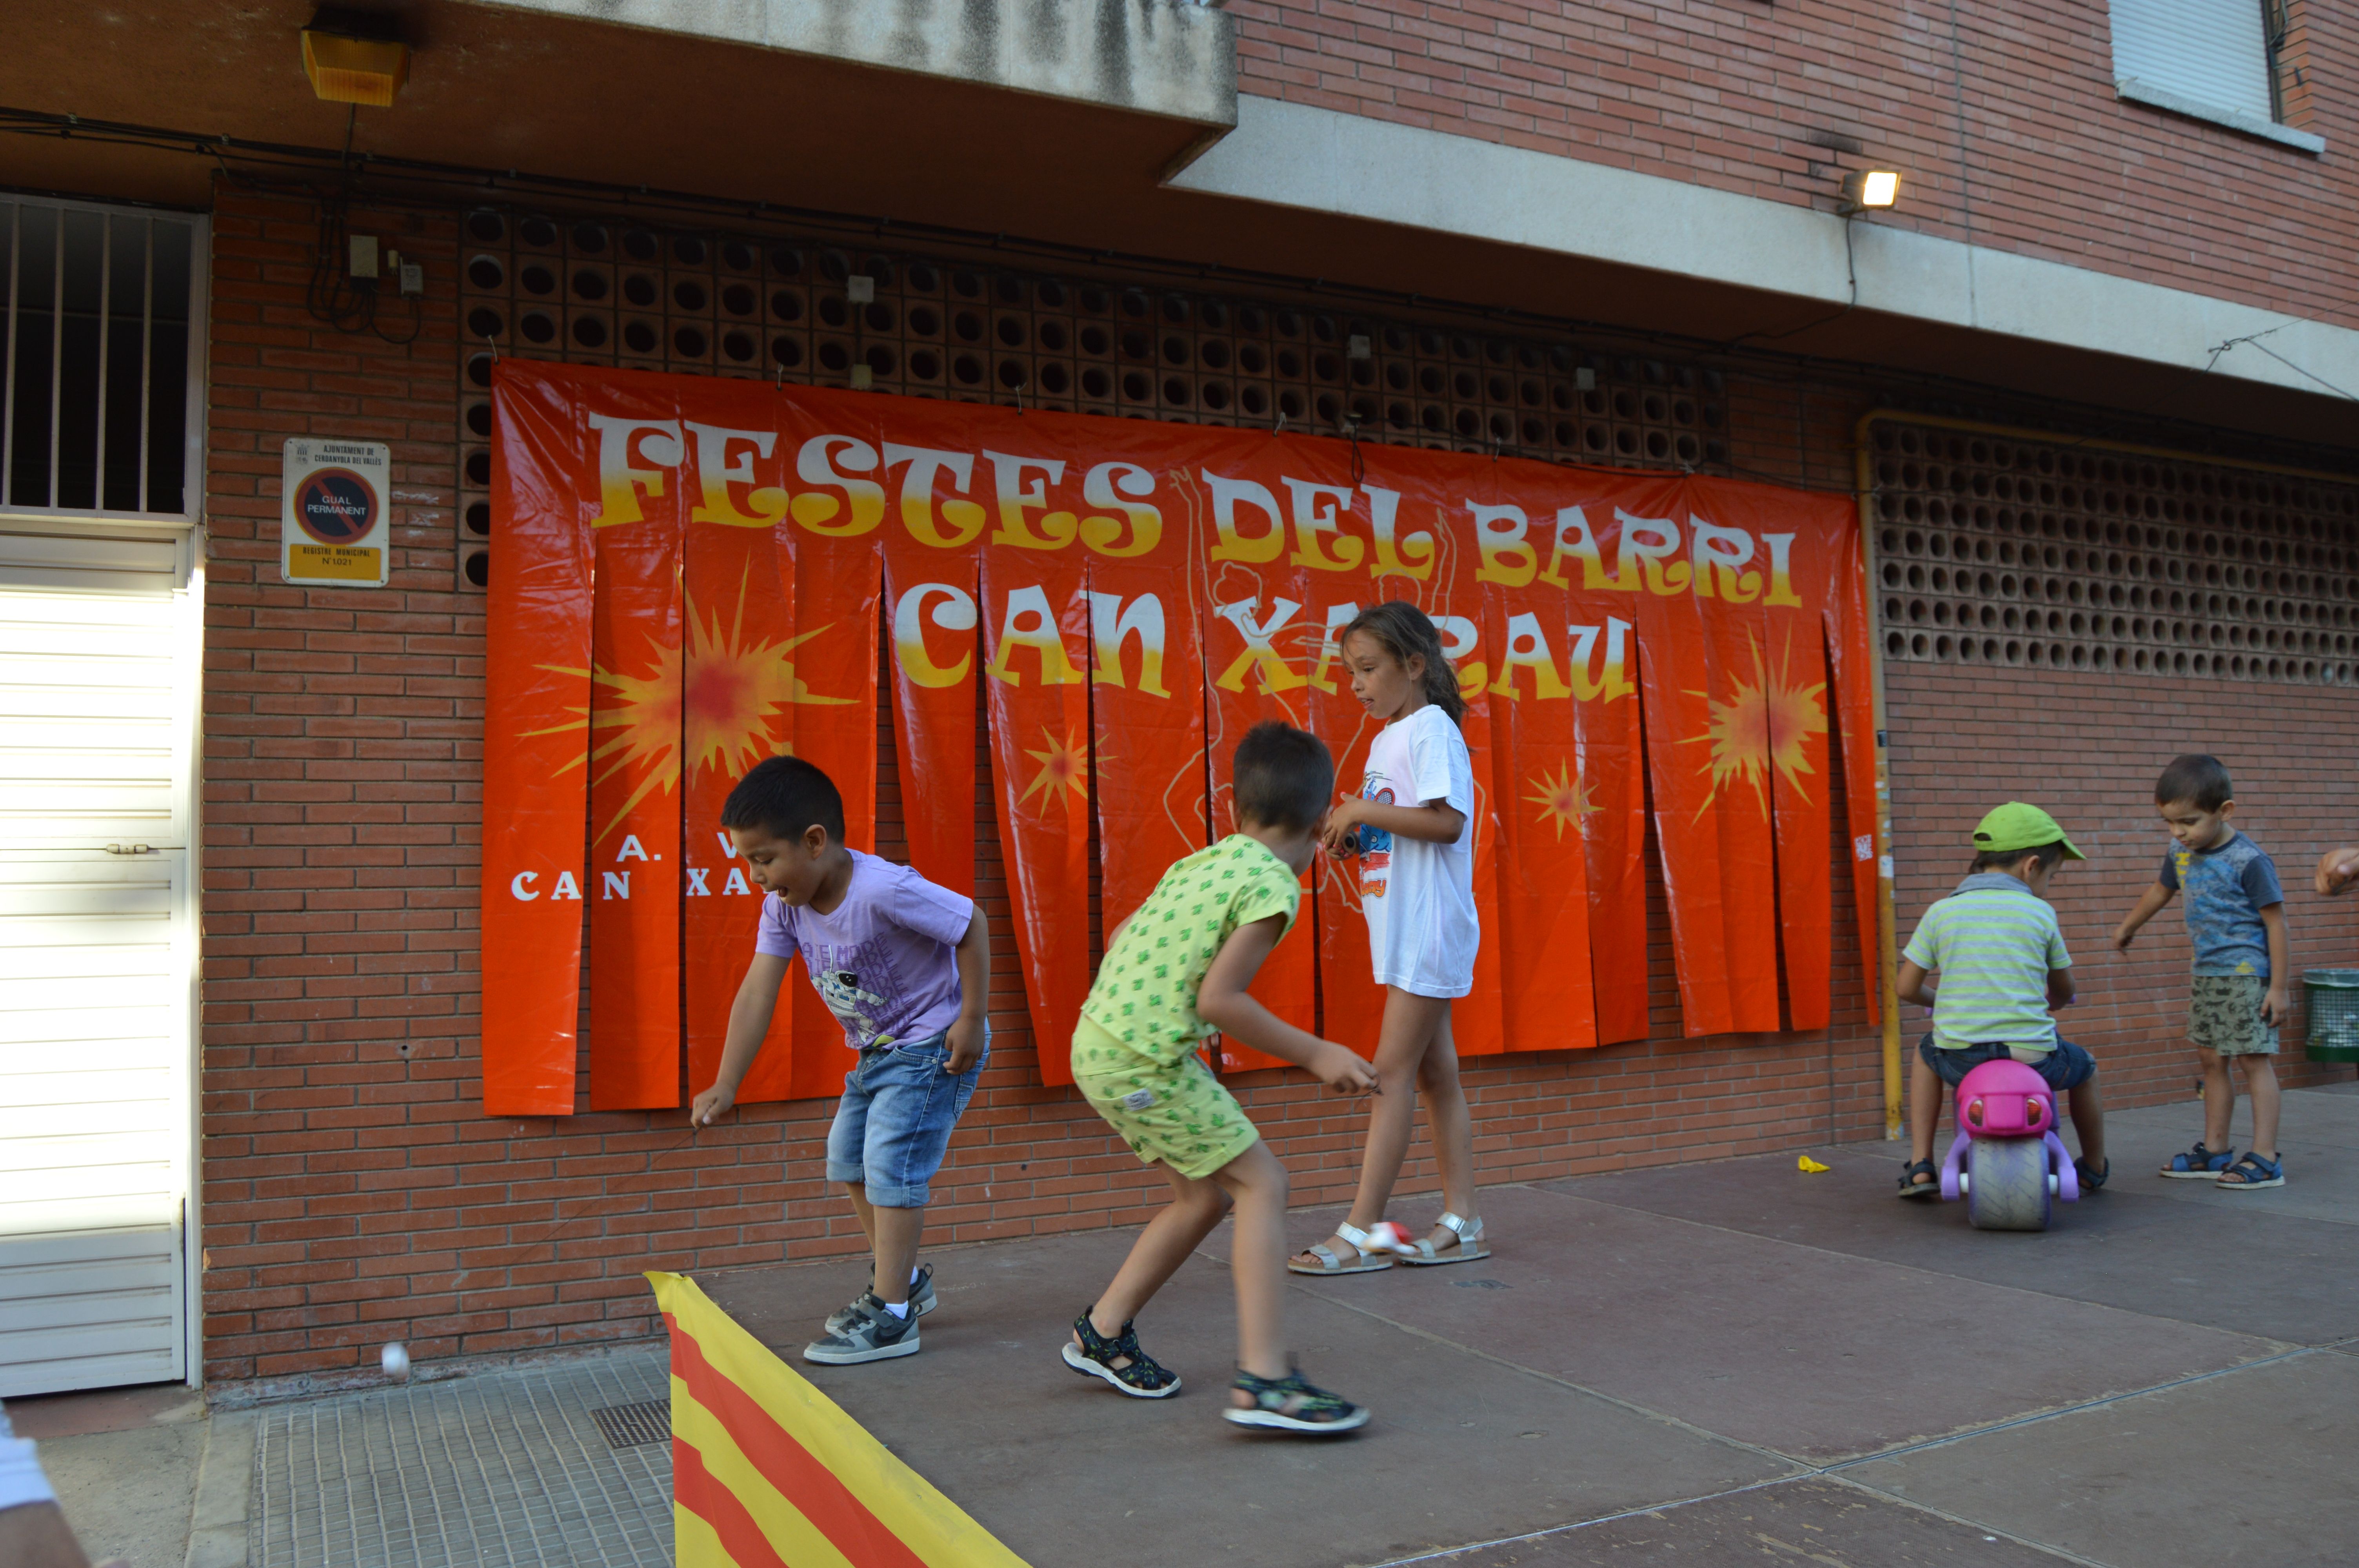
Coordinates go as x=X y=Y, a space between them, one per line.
x=1724 y=1363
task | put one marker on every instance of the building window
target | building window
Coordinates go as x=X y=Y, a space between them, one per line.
x=98 y=361
x=2211 y=60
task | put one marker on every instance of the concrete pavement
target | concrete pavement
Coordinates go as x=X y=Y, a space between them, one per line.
x=1715 y=1364
x=1731 y=1362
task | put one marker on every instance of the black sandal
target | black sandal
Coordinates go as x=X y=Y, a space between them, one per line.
x=1910 y=1188
x=2092 y=1180
x=1094 y=1356
x=1289 y=1404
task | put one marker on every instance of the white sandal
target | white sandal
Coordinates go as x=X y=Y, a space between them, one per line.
x=1469 y=1244
x=1365 y=1259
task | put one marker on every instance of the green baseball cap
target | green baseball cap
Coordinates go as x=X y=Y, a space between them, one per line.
x=2016 y=825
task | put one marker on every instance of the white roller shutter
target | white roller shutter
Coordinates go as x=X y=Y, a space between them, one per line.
x=2212 y=52
x=98 y=672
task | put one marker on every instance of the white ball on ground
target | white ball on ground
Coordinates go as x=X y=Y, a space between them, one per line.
x=396 y=1359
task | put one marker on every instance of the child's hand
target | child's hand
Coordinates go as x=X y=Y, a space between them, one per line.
x=713 y=1102
x=1340 y=836
x=2337 y=870
x=964 y=1039
x=1344 y=1070
x=2124 y=936
x=2274 y=1010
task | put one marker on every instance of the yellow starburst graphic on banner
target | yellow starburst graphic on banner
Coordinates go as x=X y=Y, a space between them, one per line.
x=1064 y=766
x=1563 y=799
x=737 y=690
x=716 y=702
x=1765 y=725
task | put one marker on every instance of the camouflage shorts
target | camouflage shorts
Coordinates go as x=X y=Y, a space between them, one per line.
x=2223 y=1015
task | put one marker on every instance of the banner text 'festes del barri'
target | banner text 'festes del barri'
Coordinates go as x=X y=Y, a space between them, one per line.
x=692 y=573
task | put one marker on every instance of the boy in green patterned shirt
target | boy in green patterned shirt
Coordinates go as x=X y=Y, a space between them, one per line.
x=1175 y=973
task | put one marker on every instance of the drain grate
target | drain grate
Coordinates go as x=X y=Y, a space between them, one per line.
x=1483 y=1284
x=495 y=1470
x=628 y=1426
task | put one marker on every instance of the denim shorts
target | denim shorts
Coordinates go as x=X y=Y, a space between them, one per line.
x=2066 y=1067
x=894 y=1122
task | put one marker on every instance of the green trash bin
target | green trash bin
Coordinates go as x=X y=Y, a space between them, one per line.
x=2330 y=997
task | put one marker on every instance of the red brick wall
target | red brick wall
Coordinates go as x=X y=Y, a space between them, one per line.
x=1964 y=740
x=2011 y=136
x=354 y=1194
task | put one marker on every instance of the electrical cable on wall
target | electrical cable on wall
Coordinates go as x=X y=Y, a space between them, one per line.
x=338 y=295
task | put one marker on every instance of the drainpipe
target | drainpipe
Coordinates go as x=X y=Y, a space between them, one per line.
x=1887 y=957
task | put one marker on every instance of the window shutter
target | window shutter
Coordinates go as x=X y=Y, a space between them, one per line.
x=2211 y=51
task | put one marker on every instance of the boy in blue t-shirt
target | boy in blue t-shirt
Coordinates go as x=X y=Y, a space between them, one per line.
x=2236 y=918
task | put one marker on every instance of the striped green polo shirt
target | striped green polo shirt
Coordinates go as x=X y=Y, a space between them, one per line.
x=1992 y=941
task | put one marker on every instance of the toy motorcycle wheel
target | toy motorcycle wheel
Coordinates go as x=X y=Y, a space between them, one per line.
x=2009 y=1185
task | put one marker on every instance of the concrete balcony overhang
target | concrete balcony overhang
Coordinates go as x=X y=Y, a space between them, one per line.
x=971 y=111
x=1073 y=123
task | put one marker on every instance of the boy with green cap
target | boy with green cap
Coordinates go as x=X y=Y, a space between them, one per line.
x=2003 y=968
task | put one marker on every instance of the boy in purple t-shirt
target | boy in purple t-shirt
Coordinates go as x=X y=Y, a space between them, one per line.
x=905 y=966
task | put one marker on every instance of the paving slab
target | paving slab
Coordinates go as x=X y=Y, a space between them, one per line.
x=89 y=1442
x=1819 y=1523
x=1464 y=1447
x=2318 y=1137
x=2284 y=1277
x=1793 y=1348
x=45 y=1416
x=145 y=1524
x=2251 y=1468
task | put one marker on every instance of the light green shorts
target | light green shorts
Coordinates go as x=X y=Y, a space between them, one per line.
x=1179 y=1116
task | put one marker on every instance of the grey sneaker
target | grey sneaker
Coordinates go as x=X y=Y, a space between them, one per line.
x=874 y=1334
x=921 y=1299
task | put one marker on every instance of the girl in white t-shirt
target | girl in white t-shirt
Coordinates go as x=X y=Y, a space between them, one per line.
x=1412 y=827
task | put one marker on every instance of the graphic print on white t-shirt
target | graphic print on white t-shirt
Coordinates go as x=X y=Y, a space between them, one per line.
x=1375 y=843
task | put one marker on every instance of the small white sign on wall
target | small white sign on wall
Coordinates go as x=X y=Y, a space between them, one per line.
x=334 y=522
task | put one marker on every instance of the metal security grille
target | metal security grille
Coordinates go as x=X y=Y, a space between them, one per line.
x=809 y=311
x=97 y=360
x=628 y=1426
x=2005 y=550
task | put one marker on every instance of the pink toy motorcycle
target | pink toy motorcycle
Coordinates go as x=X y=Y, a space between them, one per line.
x=2007 y=1162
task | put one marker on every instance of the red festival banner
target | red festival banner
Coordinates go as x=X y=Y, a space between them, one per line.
x=1540 y=781
x=1833 y=581
x=931 y=560
x=1128 y=596
x=536 y=778
x=1036 y=616
x=1264 y=630
x=1352 y=1005
x=838 y=582
x=1478 y=1022
x=636 y=712
x=741 y=687
x=1147 y=695
x=1613 y=804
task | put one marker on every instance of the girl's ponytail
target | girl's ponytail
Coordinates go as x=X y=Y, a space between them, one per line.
x=1401 y=628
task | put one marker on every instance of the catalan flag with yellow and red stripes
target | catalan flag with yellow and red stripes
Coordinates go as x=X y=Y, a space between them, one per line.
x=768 y=1472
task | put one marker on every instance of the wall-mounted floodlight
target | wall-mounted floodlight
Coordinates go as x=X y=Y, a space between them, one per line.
x=1869 y=187
x=355 y=58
